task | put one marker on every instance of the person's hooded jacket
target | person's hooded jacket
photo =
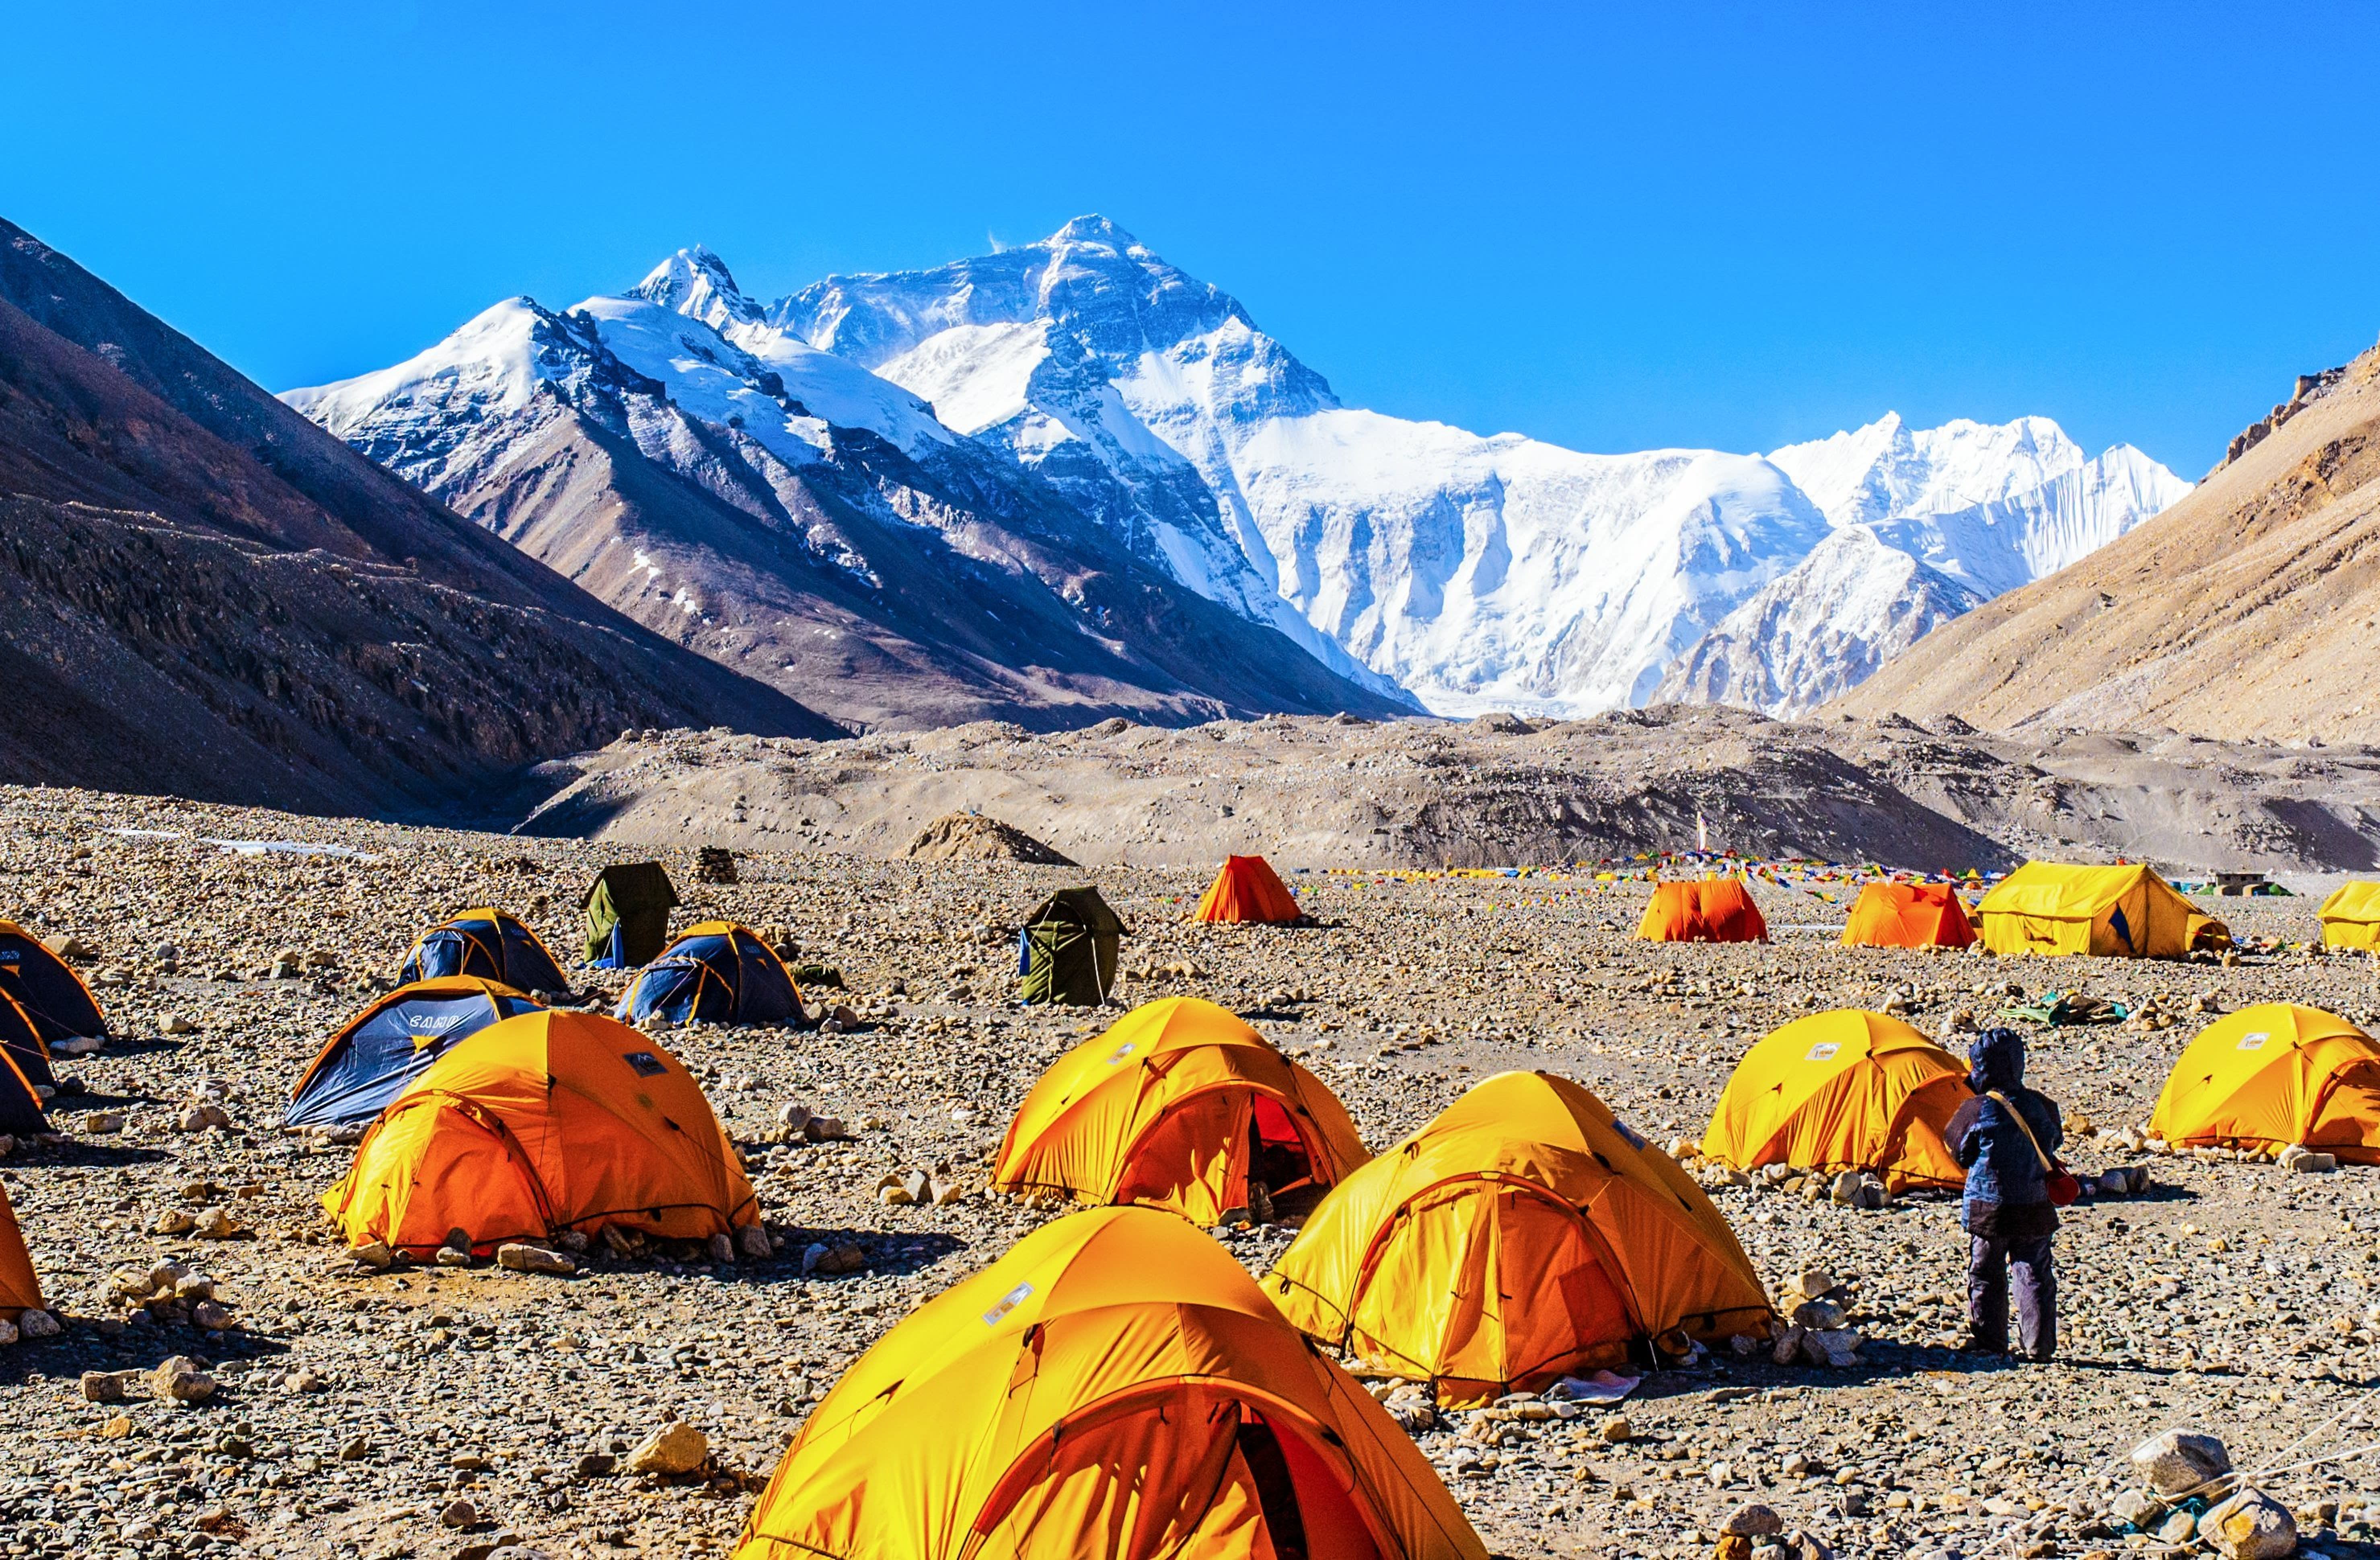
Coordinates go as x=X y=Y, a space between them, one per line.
x=2003 y=1170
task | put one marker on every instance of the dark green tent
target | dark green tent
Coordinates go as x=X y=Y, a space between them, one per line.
x=627 y=915
x=1067 y=951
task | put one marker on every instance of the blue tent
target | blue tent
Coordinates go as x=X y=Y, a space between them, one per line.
x=715 y=972
x=392 y=1042
x=50 y=994
x=487 y=944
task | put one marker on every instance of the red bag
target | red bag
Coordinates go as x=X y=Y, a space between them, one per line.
x=2063 y=1188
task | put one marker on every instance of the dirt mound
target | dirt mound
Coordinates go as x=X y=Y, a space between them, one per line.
x=973 y=836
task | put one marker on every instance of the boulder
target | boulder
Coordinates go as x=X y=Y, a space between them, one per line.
x=520 y=1256
x=2180 y=1462
x=674 y=1449
x=1753 y=1520
x=2249 y=1524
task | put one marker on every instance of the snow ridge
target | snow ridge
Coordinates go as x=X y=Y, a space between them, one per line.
x=1471 y=572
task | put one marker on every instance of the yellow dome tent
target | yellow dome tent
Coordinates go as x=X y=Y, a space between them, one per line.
x=1113 y=1388
x=1523 y=1234
x=2351 y=916
x=2121 y=912
x=549 y=1121
x=1179 y=1104
x=20 y=1291
x=2272 y=1075
x=1842 y=1091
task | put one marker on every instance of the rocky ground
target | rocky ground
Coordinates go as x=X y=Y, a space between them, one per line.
x=354 y=1409
x=1500 y=791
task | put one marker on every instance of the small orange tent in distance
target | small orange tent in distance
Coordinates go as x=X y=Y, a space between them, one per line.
x=20 y=1291
x=1248 y=890
x=2272 y=1075
x=1180 y=1105
x=549 y=1121
x=1522 y=1235
x=1113 y=1388
x=1842 y=1091
x=1908 y=916
x=1712 y=910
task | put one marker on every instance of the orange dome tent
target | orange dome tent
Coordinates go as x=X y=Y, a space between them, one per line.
x=547 y=1122
x=1248 y=890
x=1113 y=1388
x=1522 y=1235
x=20 y=1291
x=1710 y=910
x=1908 y=916
x=1842 y=1091
x=1180 y=1105
x=2272 y=1075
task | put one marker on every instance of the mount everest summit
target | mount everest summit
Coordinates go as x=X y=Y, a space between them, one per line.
x=1068 y=478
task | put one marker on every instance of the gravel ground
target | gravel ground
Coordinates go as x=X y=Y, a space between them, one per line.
x=354 y=1409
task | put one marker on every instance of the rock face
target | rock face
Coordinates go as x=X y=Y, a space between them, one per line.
x=973 y=836
x=2237 y=614
x=1321 y=793
x=202 y=593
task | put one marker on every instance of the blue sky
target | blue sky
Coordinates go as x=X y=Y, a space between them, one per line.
x=1712 y=226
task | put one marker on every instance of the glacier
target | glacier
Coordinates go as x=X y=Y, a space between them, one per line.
x=1468 y=572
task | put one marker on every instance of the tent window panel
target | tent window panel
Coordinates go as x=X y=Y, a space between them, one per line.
x=1434 y=1327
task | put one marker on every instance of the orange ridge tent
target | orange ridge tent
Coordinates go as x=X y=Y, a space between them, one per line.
x=1708 y=910
x=1908 y=916
x=1115 y=1388
x=1248 y=890
x=1179 y=1104
x=1523 y=1234
x=20 y=1290
x=1846 y=1090
x=2272 y=1075
x=547 y=1121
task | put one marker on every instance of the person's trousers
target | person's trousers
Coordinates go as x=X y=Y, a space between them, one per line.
x=1989 y=1258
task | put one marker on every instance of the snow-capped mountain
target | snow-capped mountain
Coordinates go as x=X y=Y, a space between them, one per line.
x=791 y=515
x=1477 y=572
x=1929 y=523
x=1086 y=390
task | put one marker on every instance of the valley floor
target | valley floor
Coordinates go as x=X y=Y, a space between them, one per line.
x=355 y=1407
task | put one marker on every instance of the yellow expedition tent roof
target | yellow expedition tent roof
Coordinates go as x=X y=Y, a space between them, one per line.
x=1177 y=1105
x=1114 y=1386
x=1842 y=1091
x=1523 y=1234
x=2275 y=1074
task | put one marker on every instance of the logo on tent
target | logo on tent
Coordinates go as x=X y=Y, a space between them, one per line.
x=1823 y=1051
x=1012 y=1299
x=433 y=1024
x=2254 y=1039
x=646 y=1063
x=1121 y=1053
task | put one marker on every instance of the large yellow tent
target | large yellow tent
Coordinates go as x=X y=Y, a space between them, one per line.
x=2124 y=912
x=2274 y=1074
x=1523 y=1234
x=2351 y=916
x=1842 y=1091
x=549 y=1121
x=19 y=1291
x=1113 y=1388
x=1180 y=1105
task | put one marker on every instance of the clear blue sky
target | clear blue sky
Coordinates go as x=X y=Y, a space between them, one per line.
x=1611 y=226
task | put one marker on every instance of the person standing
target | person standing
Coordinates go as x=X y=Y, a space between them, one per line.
x=2006 y=1136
